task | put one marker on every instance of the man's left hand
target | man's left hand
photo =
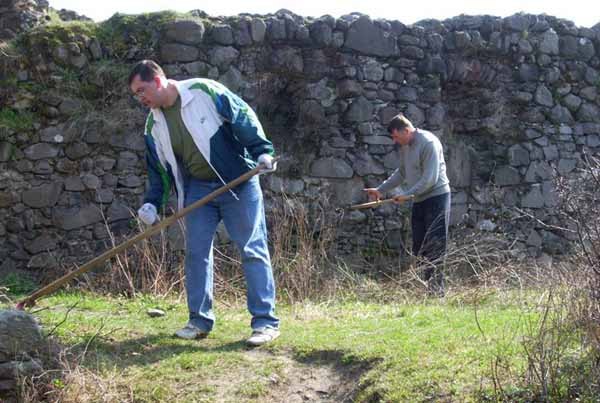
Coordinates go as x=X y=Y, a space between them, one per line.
x=266 y=161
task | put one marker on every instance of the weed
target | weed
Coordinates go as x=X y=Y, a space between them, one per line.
x=16 y=120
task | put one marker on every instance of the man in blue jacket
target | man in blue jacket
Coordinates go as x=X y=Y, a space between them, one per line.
x=199 y=136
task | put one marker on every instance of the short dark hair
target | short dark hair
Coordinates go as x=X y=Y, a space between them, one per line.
x=147 y=69
x=399 y=122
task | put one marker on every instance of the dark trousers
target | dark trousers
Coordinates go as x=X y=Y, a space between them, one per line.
x=430 y=220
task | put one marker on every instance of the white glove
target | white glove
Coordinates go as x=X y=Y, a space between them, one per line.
x=267 y=161
x=147 y=213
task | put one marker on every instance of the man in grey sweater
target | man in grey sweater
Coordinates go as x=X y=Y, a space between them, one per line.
x=422 y=174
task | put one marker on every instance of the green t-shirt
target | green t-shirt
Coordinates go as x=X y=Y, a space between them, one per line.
x=183 y=144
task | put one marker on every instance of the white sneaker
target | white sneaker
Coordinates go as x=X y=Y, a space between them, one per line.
x=190 y=332
x=262 y=335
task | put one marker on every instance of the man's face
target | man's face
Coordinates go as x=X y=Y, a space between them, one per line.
x=402 y=137
x=146 y=91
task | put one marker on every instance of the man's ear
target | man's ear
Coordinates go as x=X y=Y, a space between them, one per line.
x=157 y=81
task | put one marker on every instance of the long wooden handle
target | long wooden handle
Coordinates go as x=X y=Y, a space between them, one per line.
x=378 y=203
x=53 y=286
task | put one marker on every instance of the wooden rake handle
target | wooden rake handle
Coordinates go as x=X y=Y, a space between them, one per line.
x=53 y=286
x=378 y=203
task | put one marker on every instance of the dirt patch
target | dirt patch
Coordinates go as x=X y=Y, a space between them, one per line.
x=321 y=377
x=281 y=377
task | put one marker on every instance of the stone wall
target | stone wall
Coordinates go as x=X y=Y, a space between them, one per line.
x=514 y=100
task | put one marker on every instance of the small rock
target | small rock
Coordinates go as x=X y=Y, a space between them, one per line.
x=486 y=225
x=155 y=313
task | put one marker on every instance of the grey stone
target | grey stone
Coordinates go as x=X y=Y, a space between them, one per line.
x=42 y=261
x=43 y=243
x=381 y=140
x=127 y=160
x=348 y=88
x=104 y=196
x=6 y=151
x=188 y=32
x=517 y=22
x=366 y=37
x=232 y=79
x=46 y=195
x=572 y=102
x=331 y=168
x=119 y=211
x=543 y=96
x=415 y=115
x=175 y=52
x=506 y=176
x=19 y=335
x=91 y=181
x=77 y=151
x=258 y=29
x=285 y=185
x=276 y=29
x=565 y=166
x=560 y=114
x=588 y=113
x=40 y=151
x=360 y=110
x=155 y=313
x=534 y=239
x=592 y=140
x=73 y=218
x=52 y=134
x=320 y=33
x=550 y=42
x=95 y=49
x=241 y=32
x=589 y=93
x=364 y=164
x=287 y=58
x=551 y=153
x=538 y=171
x=131 y=181
x=518 y=155
x=222 y=34
x=533 y=198
x=196 y=69
x=223 y=56
x=372 y=71
x=20 y=369
x=74 y=184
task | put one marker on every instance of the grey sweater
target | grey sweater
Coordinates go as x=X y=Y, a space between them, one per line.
x=422 y=169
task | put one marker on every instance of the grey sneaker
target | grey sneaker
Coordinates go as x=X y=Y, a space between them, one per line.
x=262 y=335
x=190 y=332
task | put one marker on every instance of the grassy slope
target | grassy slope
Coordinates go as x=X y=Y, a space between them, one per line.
x=419 y=350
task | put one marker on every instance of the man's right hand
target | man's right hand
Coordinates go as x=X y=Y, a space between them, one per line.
x=148 y=214
x=373 y=194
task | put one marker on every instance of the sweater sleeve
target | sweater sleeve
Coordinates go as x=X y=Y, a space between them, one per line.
x=394 y=181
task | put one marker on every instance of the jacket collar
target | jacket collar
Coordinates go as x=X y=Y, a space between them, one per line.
x=185 y=94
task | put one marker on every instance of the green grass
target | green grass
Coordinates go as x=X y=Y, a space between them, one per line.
x=14 y=120
x=414 y=350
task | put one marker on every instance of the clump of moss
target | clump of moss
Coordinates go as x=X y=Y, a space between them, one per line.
x=14 y=120
x=122 y=31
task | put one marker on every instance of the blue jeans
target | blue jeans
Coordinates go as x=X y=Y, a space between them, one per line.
x=244 y=220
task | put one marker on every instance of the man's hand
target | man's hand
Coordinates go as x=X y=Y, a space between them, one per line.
x=267 y=162
x=402 y=198
x=148 y=214
x=373 y=194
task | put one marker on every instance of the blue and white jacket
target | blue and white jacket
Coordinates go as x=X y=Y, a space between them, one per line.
x=225 y=129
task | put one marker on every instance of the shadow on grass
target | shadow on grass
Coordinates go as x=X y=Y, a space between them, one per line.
x=151 y=349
